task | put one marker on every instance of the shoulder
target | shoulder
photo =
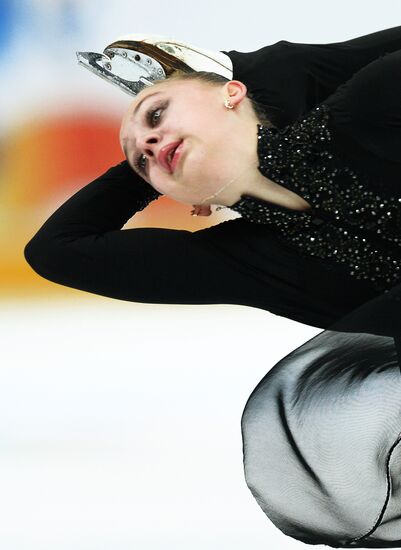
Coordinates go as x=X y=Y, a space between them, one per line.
x=372 y=91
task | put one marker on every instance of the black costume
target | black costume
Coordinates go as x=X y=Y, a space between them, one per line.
x=321 y=430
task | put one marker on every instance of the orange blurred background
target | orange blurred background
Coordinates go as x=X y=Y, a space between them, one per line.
x=60 y=126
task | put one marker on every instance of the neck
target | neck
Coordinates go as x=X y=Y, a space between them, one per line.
x=252 y=182
x=246 y=179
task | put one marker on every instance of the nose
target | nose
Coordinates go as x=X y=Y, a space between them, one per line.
x=148 y=143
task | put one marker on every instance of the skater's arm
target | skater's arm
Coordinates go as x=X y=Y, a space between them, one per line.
x=367 y=109
x=82 y=245
x=293 y=78
x=333 y=64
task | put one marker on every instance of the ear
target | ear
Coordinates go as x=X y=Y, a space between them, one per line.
x=235 y=91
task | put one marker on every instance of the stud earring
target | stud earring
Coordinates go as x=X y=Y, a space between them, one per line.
x=227 y=103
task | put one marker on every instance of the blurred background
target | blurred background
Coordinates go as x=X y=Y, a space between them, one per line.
x=120 y=421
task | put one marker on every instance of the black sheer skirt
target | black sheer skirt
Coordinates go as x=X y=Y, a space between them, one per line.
x=322 y=431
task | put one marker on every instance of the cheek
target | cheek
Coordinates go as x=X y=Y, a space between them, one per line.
x=205 y=167
x=161 y=183
x=181 y=192
x=202 y=174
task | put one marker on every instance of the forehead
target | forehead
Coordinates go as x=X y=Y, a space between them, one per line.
x=171 y=87
x=168 y=86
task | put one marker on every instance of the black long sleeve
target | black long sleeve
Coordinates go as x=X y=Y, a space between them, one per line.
x=293 y=78
x=367 y=109
x=82 y=245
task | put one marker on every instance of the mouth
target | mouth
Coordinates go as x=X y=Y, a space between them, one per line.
x=174 y=156
x=168 y=155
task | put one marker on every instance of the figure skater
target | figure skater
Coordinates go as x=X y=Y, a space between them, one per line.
x=304 y=142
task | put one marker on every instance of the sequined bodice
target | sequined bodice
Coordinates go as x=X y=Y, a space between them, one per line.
x=348 y=223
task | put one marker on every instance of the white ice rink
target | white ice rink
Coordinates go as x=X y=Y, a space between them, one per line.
x=120 y=424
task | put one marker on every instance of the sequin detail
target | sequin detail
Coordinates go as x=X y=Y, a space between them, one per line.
x=347 y=223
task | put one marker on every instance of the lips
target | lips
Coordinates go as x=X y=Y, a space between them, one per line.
x=164 y=155
x=176 y=156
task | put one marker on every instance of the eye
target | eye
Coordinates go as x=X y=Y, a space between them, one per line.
x=150 y=116
x=152 y=120
x=140 y=163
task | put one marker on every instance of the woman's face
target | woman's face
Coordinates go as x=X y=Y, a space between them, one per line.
x=190 y=113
